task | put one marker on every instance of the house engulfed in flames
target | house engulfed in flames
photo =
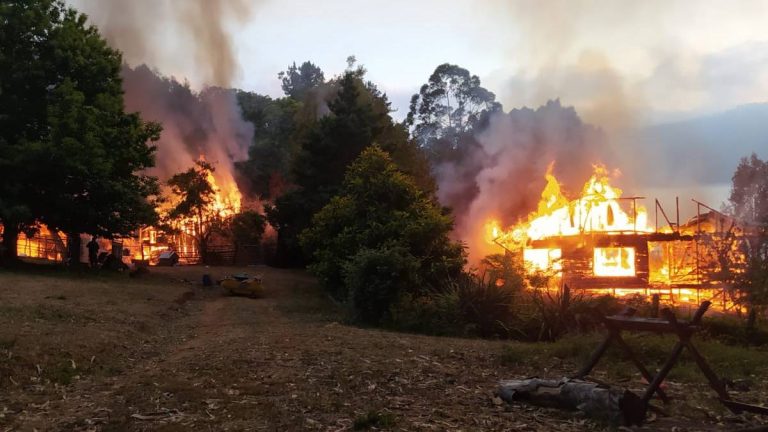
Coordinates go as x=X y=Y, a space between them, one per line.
x=148 y=243
x=151 y=242
x=602 y=242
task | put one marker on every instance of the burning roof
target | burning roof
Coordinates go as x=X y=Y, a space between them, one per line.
x=600 y=208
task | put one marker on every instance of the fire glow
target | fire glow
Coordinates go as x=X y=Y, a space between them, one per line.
x=227 y=197
x=599 y=208
x=225 y=202
x=601 y=242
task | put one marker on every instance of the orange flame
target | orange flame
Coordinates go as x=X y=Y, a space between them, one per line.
x=599 y=208
x=226 y=199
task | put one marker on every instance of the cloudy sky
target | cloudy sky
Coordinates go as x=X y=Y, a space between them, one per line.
x=617 y=61
x=625 y=65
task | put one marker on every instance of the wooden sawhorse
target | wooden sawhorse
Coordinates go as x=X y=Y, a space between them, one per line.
x=626 y=321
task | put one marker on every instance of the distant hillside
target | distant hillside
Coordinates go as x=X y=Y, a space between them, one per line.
x=703 y=150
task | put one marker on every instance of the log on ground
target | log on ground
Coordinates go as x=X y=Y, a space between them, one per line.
x=612 y=404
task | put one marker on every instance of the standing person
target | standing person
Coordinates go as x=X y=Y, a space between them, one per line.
x=93 y=252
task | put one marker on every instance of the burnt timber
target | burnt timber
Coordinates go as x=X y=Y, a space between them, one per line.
x=577 y=256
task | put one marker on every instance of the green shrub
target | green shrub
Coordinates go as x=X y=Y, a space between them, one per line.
x=734 y=331
x=380 y=208
x=486 y=307
x=375 y=279
x=435 y=314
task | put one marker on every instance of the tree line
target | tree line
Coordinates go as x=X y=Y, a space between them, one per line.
x=349 y=190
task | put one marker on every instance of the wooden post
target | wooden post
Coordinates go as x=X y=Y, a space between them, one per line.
x=655 y=306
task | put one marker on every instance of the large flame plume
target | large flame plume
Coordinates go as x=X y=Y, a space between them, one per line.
x=600 y=208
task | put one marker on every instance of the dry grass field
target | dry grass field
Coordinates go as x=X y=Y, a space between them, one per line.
x=109 y=353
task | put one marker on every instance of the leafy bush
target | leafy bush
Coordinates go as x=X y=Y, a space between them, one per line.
x=381 y=233
x=733 y=331
x=375 y=278
x=466 y=305
x=486 y=306
x=436 y=314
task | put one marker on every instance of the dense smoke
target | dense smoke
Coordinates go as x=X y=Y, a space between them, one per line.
x=205 y=124
x=561 y=54
x=190 y=41
x=510 y=161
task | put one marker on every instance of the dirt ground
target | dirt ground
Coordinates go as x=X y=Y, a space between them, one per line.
x=161 y=352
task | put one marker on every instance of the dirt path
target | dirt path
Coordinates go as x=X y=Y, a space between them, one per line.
x=285 y=363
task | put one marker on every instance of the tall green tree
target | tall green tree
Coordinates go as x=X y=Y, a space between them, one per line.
x=748 y=202
x=752 y=277
x=297 y=81
x=450 y=104
x=246 y=229
x=359 y=116
x=381 y=236
x=749 y=190
x=70 y=157
x=267 y=169
x=444 y=119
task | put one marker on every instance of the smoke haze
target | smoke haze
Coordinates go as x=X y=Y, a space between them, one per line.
x=613 y=63
x=205 y=124
x=189 y=40
x=508 y=167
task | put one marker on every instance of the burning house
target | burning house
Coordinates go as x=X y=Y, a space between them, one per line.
x=181 y=235
x=602 y=241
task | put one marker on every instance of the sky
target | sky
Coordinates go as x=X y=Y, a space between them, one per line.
x=618 y=62
x=624 y=65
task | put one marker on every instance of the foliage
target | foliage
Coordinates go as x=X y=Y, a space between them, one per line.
x=380 y=209
x=748 y=202
x=297 y=81
x=374 y=279
x=194 y=191
x=444 y=119
x=267 y=169
x=435 y=313
x=247 y=227
x=193 y=204
x=503 y=302
x=730 y=330
x=449 y=106
x=70 y=156
x=749 y=191
x=752 y=279
x=487 y=307
x=504 y=269
x=358 y=117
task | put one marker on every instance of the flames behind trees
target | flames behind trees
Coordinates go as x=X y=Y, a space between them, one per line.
x=202 y=118
x=208 y=123
x=501 y=174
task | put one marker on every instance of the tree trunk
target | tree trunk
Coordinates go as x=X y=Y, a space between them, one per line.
x=73 y=249
x=10 y=238
x=619 y=406
x=751 y=320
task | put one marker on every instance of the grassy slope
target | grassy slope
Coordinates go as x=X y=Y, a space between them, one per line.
x=94 y=352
